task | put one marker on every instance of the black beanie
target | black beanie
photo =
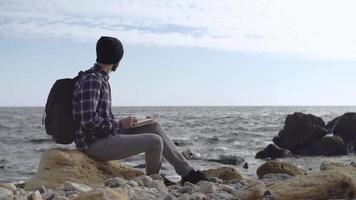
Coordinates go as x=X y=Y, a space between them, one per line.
x=109 y=50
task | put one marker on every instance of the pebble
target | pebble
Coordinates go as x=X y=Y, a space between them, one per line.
x=9 y=186
x=228 y=188
x=115 y=182
x=5 y=194
x=156 y=177
x=186 y=189
x=60 y=198
x=77 y=187
x=198 y=196
x=143 y=180
x=132 y=183
x=183 y=197
x=207 y=187
x=170 y=197
x=35 y=196
x=159 y=185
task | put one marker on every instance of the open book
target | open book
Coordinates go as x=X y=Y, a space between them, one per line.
x=143 y=122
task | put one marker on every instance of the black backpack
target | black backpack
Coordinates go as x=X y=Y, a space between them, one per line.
x=58 y=118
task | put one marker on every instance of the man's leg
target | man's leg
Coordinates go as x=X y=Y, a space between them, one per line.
x=170 y=151
x=123 y=146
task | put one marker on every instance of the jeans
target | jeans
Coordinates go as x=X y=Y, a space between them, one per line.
x=151 y=139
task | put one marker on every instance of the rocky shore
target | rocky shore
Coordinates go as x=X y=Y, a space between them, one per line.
x=69 y=174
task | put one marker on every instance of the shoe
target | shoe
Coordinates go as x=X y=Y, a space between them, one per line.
x=167 y=182
x=194 y=177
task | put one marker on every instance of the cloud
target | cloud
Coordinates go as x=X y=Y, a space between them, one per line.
x=319 y=29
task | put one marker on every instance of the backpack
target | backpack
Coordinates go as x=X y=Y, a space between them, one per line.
x=58 y=118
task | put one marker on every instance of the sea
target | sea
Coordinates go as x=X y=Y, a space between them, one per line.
x=208 y=132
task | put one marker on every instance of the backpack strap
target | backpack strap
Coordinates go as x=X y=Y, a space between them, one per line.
x=82 y=73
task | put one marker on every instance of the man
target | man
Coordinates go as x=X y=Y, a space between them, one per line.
x=103 y=137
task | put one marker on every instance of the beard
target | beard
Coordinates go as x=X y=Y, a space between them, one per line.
x=114 y=67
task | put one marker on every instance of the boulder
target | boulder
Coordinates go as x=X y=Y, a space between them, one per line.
x=224 y=173
x=331 y=146
x=274 y=166
x=272 y=151
x=322 y=185
x=60 y=165
x=340 y=167
x=300 y=134
x=345 y=127
x=102 y=194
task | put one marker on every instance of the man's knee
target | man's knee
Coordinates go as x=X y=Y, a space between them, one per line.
x=157 y=142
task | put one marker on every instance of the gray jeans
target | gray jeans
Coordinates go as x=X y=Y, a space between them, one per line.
x=151 y=139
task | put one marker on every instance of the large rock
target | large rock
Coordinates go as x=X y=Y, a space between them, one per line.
x=224 y=173
x=60 y=165
x=330 y=184
x=300 y=134
x=273 y=152
x=274 y=167
x=331 y=146
x=345 y=127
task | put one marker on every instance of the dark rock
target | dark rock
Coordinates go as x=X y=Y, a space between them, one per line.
x=228 y=160
x=214 y=139
x=273 y=152
x=301 y=133
x=182 y=142
x=345 y=127
x=245 y=166
x=331 y=146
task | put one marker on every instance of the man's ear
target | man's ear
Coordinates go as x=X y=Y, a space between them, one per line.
x=115 y=66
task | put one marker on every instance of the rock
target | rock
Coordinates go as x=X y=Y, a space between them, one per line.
x=329 y=184
x=60 y=165
x=215 y=180
x=102 y=194
x=115 y=182
x=182 y=142
x=143 y=180
x=224 y=173
x=156 y=177
x=207 y=187
x=274 y=166
x=189 y=155
x=183 y=197
x=254 y=191
x=300 y=134
x=245 y=166
x=186 y=189
x=77 y=187
x=5 y=194
x=228 y=188
x=159 y=185
x=272 y=151
x=331 y=146
x=228 y=160
x=35 y=196
x=9 y=186
x=198 y=196
x=270 y=179
x=144 y=193
x=345 y=127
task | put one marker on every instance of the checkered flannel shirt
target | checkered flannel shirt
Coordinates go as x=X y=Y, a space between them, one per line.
x=92 y=108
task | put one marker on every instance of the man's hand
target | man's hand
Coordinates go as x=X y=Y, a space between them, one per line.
x=128 y=122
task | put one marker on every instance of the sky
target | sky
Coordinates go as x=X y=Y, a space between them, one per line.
x=185 y=52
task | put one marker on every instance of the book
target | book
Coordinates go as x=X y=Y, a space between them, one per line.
x=143 y=122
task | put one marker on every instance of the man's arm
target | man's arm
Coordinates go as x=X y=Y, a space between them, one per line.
x=88 y=101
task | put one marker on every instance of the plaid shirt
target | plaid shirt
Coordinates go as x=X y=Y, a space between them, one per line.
x=92 y=108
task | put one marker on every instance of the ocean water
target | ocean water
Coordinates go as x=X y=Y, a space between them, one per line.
x=209 y=132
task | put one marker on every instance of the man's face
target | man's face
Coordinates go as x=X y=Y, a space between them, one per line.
x=115 y=66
